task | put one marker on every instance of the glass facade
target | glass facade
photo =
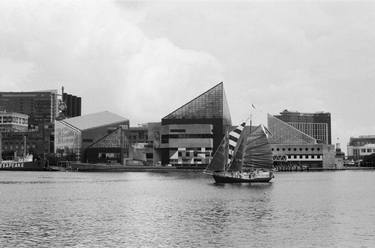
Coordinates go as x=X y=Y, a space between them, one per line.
x=283 y=133
x=211 y=104
x=196 y=126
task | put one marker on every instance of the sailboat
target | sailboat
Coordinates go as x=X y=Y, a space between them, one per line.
x=243 y=157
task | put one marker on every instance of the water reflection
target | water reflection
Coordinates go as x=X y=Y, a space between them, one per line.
x=184 y=210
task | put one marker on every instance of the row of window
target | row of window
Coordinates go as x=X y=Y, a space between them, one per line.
x=165 y=137
x=14 y=120
x=296 y=149
x=16 y=147
x=368 y=150
x=192 y=154
x=303 y=156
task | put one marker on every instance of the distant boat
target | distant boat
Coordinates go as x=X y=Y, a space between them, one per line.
x=243 y=157
x=23 y=164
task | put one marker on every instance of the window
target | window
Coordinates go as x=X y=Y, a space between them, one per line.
x=300 y=149
x=363 y=150
x=177 y=130
x=295 y=149
x=283 y=149
x=368 y=150
x=307 y=149
x=277 y=149
x=164 y=139
x=289 y=149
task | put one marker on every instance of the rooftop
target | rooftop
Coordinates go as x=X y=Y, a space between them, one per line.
x=94 y=120
x=288 y=112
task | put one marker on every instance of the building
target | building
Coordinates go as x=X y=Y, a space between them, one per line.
x=40 y=106
x=13 y=122
x=191 y=133
x=316 y=125
x=92 y=138
x=294 y=149
x=361 y=146
x=42 y=109
x=144 y=143
x=73 y=105
x=16 y=144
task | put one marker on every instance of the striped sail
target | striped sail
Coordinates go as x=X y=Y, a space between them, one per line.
x=234 y=137
x=237 y=162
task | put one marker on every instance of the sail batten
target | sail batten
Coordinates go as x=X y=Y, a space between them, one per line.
x=258 y=152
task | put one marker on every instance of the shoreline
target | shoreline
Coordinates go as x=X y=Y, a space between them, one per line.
x=86 y=167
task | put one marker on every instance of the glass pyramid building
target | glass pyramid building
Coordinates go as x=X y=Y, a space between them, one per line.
x=209 y=108
x=209 y=105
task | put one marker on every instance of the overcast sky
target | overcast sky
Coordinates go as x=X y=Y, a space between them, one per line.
x=142 y=60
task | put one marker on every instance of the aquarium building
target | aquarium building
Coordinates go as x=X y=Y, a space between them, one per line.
x=191 y=133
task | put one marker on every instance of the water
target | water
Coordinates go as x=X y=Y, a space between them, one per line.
x=60 y=209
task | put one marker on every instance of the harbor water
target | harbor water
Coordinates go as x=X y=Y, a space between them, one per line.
x=186 y=209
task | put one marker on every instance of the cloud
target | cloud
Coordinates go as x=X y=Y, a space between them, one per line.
x=97 y=50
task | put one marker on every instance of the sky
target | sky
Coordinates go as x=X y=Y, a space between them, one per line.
x=143 y=60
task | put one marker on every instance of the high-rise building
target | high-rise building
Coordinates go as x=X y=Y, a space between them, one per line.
x=316 y=125
x=190 y=134
x=42 y=109
x=40 y=106
x=73 y=105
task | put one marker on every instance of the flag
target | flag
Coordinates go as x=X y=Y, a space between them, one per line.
x=252 y=105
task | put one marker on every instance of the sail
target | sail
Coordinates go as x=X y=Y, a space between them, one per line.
x=257 y=152
x=234 y=137
x=236 y=164
x=219 y=159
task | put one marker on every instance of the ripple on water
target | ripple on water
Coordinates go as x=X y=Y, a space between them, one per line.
x=185 y=210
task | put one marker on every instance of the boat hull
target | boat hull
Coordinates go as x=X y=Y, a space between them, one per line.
x=228 y=178
x=22 y=166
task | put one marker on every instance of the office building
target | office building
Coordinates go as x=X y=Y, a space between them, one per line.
x=316 y=125
x=191 y=133
x=40 y=106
